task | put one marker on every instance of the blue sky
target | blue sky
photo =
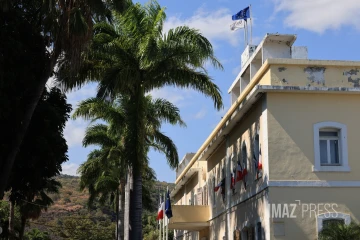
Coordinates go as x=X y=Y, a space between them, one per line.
x=330 y=30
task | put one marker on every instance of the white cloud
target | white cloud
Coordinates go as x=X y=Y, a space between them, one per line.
x=75 y=129
x=215 y=25
x=201 y=114
x=320 y=15
x=83 y=93
x=177 y=96
x=74 y=132
x=70 y=169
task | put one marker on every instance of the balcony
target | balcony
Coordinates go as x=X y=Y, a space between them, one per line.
x=183 y=163
x=186 y=177
x=190 y=217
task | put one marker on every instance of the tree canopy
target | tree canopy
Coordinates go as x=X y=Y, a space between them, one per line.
x=40 y=157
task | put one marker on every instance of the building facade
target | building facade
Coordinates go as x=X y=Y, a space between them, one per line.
x=292 y=125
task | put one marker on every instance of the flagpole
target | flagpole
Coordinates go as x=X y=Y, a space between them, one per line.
x=250 y=24
x=246 y=34
x=159 y=219
x=167 y=220
x=164 y=216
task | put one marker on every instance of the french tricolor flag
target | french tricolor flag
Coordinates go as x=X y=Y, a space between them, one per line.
x=161 y=210
x=220 y=185
x=240 y=172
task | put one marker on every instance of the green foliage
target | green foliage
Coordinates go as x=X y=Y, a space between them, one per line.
x=338 y=231
x=34 y=35
x=39 y=160
x=86 y=229
x=4 y=219
x=36 y=234
x=22 y=60
x=104 y=169
x=133 y=56
x=151 y=227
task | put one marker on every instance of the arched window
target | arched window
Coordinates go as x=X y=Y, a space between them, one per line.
x=330 y=147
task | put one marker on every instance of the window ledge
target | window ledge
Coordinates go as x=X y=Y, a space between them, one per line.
x=331 y=169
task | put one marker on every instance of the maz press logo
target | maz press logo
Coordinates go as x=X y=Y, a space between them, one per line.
x=292 y=210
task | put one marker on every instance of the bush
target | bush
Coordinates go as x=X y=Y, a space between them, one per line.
x=338 y=231
x=36 y=234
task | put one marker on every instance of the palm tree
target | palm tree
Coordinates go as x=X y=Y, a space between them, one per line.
x=340 y=231
x=105 y=180
x=104 y=170
x=66 y=28
x=133 y=57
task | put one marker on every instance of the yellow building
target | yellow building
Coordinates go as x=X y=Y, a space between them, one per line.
x=299 y=119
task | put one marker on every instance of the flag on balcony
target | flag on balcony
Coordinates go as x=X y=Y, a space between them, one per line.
x=257 y=162
x=168 y=211
x=220 y=185
x=240 y=172
x=160 y=214
x=260 y=160
x=232 y=183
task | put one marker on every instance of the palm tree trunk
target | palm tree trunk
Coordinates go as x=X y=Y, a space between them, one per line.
x=120 y=216
x=136 y=208
x=11 y=220
x=138 y=156
x=22 y=228
x=32 y=101
x=117 y=215
x=128 y=188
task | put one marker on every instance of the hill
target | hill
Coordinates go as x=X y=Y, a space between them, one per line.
x=70 y=207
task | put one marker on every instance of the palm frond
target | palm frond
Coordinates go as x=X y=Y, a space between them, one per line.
x=164 y=144
x=165 y=111
x=187 y=78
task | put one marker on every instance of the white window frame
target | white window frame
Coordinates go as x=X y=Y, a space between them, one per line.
x=328 y=147
x=330 y=216
x=343 y=148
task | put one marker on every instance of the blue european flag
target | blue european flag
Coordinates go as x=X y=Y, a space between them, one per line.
x=168 y=211
x=243 y=14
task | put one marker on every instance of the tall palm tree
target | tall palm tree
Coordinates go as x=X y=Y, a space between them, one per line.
x=105 y=167
x=105 y=180
x=133 y=56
